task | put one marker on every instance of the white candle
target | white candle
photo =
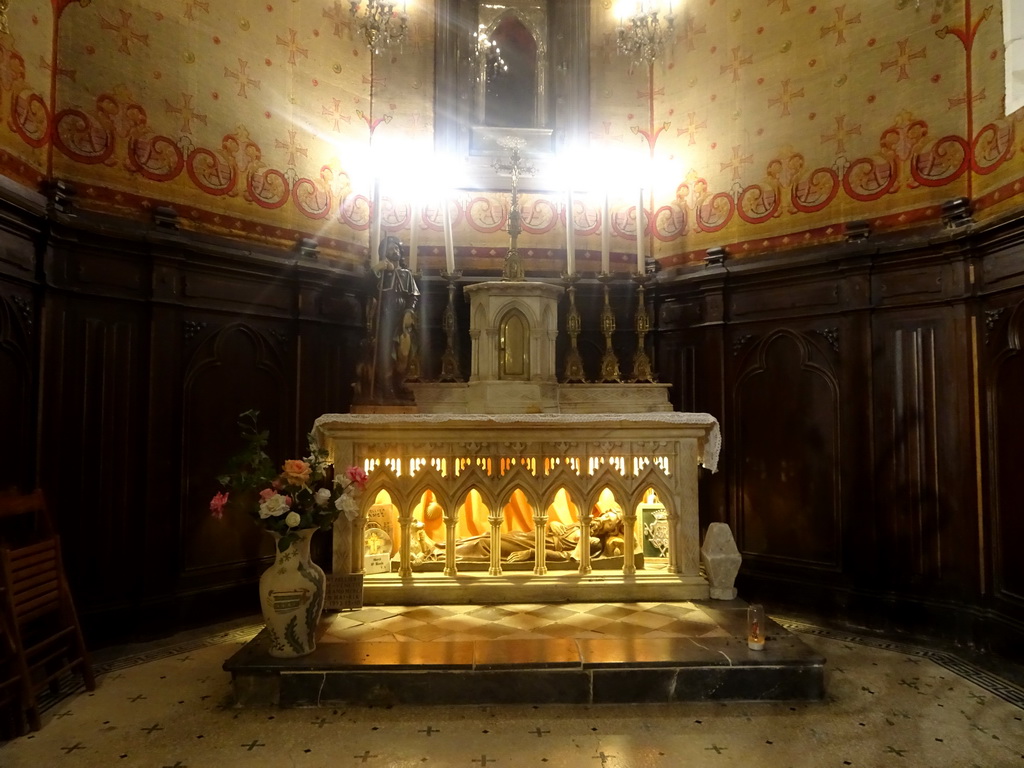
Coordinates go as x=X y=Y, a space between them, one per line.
x=414 y=226
x=375 y=227
x=570 y=237
x=606 y=237
x=449 y=241
x=640 y=260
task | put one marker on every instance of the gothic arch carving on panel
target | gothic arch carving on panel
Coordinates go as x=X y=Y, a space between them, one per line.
x=510 y=22
x=233 y=369
x=786 y=440
x=1006 y=422
x=514 y=335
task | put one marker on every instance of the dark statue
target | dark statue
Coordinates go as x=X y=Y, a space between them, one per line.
x=391 y=324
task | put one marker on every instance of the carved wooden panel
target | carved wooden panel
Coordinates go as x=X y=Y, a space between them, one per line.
x=93 y=442
x=1007 y=458
x=923 y=448
x=237 y=367
x=814 y=296
x=785 y=440
x=17 y=389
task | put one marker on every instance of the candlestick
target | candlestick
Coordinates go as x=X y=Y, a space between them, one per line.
x=606 y=237
x=640 y=259
x=449 y=241
x=414 y=232
x=570 y=237
x=375 y=231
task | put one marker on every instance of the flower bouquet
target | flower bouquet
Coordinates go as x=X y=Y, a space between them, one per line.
x=304 y=494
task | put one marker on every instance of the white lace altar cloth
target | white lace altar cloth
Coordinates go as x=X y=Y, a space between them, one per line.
x=711 y=446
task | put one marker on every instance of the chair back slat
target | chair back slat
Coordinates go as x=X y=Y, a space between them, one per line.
x=36 y=609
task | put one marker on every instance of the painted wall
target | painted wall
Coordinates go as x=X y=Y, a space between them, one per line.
x=767 y=125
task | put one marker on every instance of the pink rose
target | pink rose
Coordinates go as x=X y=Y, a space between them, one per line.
x=296 y=472
x=357 y=476
x=266 y=493
x=217 y=505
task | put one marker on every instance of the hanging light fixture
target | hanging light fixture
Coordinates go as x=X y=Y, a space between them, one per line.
x=380 y=23
x=488 y=54
x=643 y=34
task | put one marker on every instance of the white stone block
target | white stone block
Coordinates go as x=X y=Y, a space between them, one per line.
x=721 y=559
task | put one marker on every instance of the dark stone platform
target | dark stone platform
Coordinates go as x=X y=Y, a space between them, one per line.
x=630 y=668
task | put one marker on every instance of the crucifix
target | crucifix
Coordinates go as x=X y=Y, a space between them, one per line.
x=514 y=168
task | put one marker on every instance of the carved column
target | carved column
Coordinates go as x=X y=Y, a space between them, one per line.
x=540 y=527
x=451 y=524
x=585 y=566
x=628 y=539
x=495 y=519
x=405 y=520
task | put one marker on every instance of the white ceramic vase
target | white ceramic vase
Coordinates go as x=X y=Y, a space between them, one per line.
x=292 y=598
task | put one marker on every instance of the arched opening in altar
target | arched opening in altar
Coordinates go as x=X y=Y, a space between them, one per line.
x=507 y=524
x=514 y=341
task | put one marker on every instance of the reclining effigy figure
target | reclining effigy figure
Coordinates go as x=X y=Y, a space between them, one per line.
x=561 y=542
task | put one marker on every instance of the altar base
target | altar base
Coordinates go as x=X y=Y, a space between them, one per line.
x=572 y=653
x=482 y=588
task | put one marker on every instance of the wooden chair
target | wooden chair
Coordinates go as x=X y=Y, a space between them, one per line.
x=12 y=693
x=37 y=607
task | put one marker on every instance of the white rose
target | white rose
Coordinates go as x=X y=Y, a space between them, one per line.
x=347 y=504
x=274 y=506
x=322 y=497
x=292 y=519
x=342 y=480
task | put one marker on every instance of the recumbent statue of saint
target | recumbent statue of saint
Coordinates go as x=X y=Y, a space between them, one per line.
x=561 y=542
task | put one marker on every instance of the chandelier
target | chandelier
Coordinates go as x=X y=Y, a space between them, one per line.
x=488 y=54
x=380 y=24
x=642 y=34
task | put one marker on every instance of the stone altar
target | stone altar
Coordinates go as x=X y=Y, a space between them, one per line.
x=540 y=455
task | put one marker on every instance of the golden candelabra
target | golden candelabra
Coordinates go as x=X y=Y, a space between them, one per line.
x=609 y=362
x=449 y=360
x=641 y=362
x=643 y=36
x=573 y=361
x=381 y=24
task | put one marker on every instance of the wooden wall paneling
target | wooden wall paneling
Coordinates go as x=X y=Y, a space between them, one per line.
x=18 y=363
x=1006 y=427
x=235 y=365
x=924 y=452
x=93 y=443
x=786 y=446
x=331 y=333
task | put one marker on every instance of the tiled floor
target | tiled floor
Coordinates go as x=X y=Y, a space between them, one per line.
x=887 y=705
x=524 y=621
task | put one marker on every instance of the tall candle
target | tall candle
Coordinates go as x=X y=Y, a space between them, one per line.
x=640 y=260
x=449 y=241
x=606 y=237
x=375 y=230
x=570 y=237
x=414 y=232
